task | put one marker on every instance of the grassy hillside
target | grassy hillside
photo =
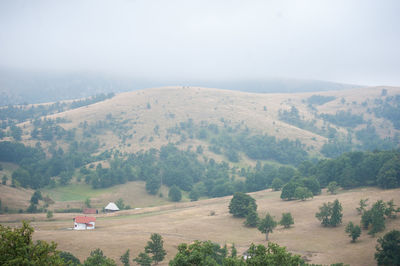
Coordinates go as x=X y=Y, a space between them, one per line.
x=138 y=120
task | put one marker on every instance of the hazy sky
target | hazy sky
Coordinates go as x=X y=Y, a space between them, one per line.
x=339 y=40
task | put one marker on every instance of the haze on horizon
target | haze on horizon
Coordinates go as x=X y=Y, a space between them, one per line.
x=354 y=42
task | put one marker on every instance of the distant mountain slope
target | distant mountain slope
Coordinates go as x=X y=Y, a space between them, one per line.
x=18 y=87
x=150 y=118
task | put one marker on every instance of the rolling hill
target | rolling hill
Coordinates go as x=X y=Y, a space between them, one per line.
x=145 y=119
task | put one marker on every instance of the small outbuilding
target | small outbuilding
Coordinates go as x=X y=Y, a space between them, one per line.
x=84 y=223
x=111 y=207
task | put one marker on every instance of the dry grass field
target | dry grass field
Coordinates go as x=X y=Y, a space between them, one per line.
x=188 y=221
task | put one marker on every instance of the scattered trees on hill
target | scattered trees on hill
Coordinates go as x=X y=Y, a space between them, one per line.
x=388 y=250
x=374 y=218
x=330 y=214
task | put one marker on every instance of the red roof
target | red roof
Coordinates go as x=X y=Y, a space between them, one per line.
x=89 y=211
x=84 y=219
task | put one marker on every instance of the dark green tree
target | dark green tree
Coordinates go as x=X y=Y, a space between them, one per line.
x=377 y=217
x=336 y=217
x=153 y=184
x=201 y=253
x=354 y=231
x=251 y=218
x=241 y=204
x=267 y=225
x=390 y=210
x=175 y=194
x=69 y=258
x=143 y=259
x=233 y=251
x=388 y=250
x=194 y=195
x=125 y=258
x=17 y=248
x=330 y=214
x=156 y=248
x=98 y=258
x=288 y=191
x=389 y=174
x=272 y=255
x=36 y=197
x=287 y=220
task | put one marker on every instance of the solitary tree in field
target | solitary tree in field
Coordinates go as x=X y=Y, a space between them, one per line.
x=267 y=225
x=354 y=231
x=287 y=220
x=156 y=248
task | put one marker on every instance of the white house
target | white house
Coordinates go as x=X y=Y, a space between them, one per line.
x=84 y=223
x=111 y=207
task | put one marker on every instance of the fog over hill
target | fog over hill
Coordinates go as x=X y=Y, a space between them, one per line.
x=18 y=87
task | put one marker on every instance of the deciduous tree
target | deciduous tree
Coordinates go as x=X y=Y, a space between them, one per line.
x=287 y=220
x=175 y=194
x=17 y=248
x=267 y=225
x=388 y=250
x=241 y=204
x=354 y=231
x=156 y=248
